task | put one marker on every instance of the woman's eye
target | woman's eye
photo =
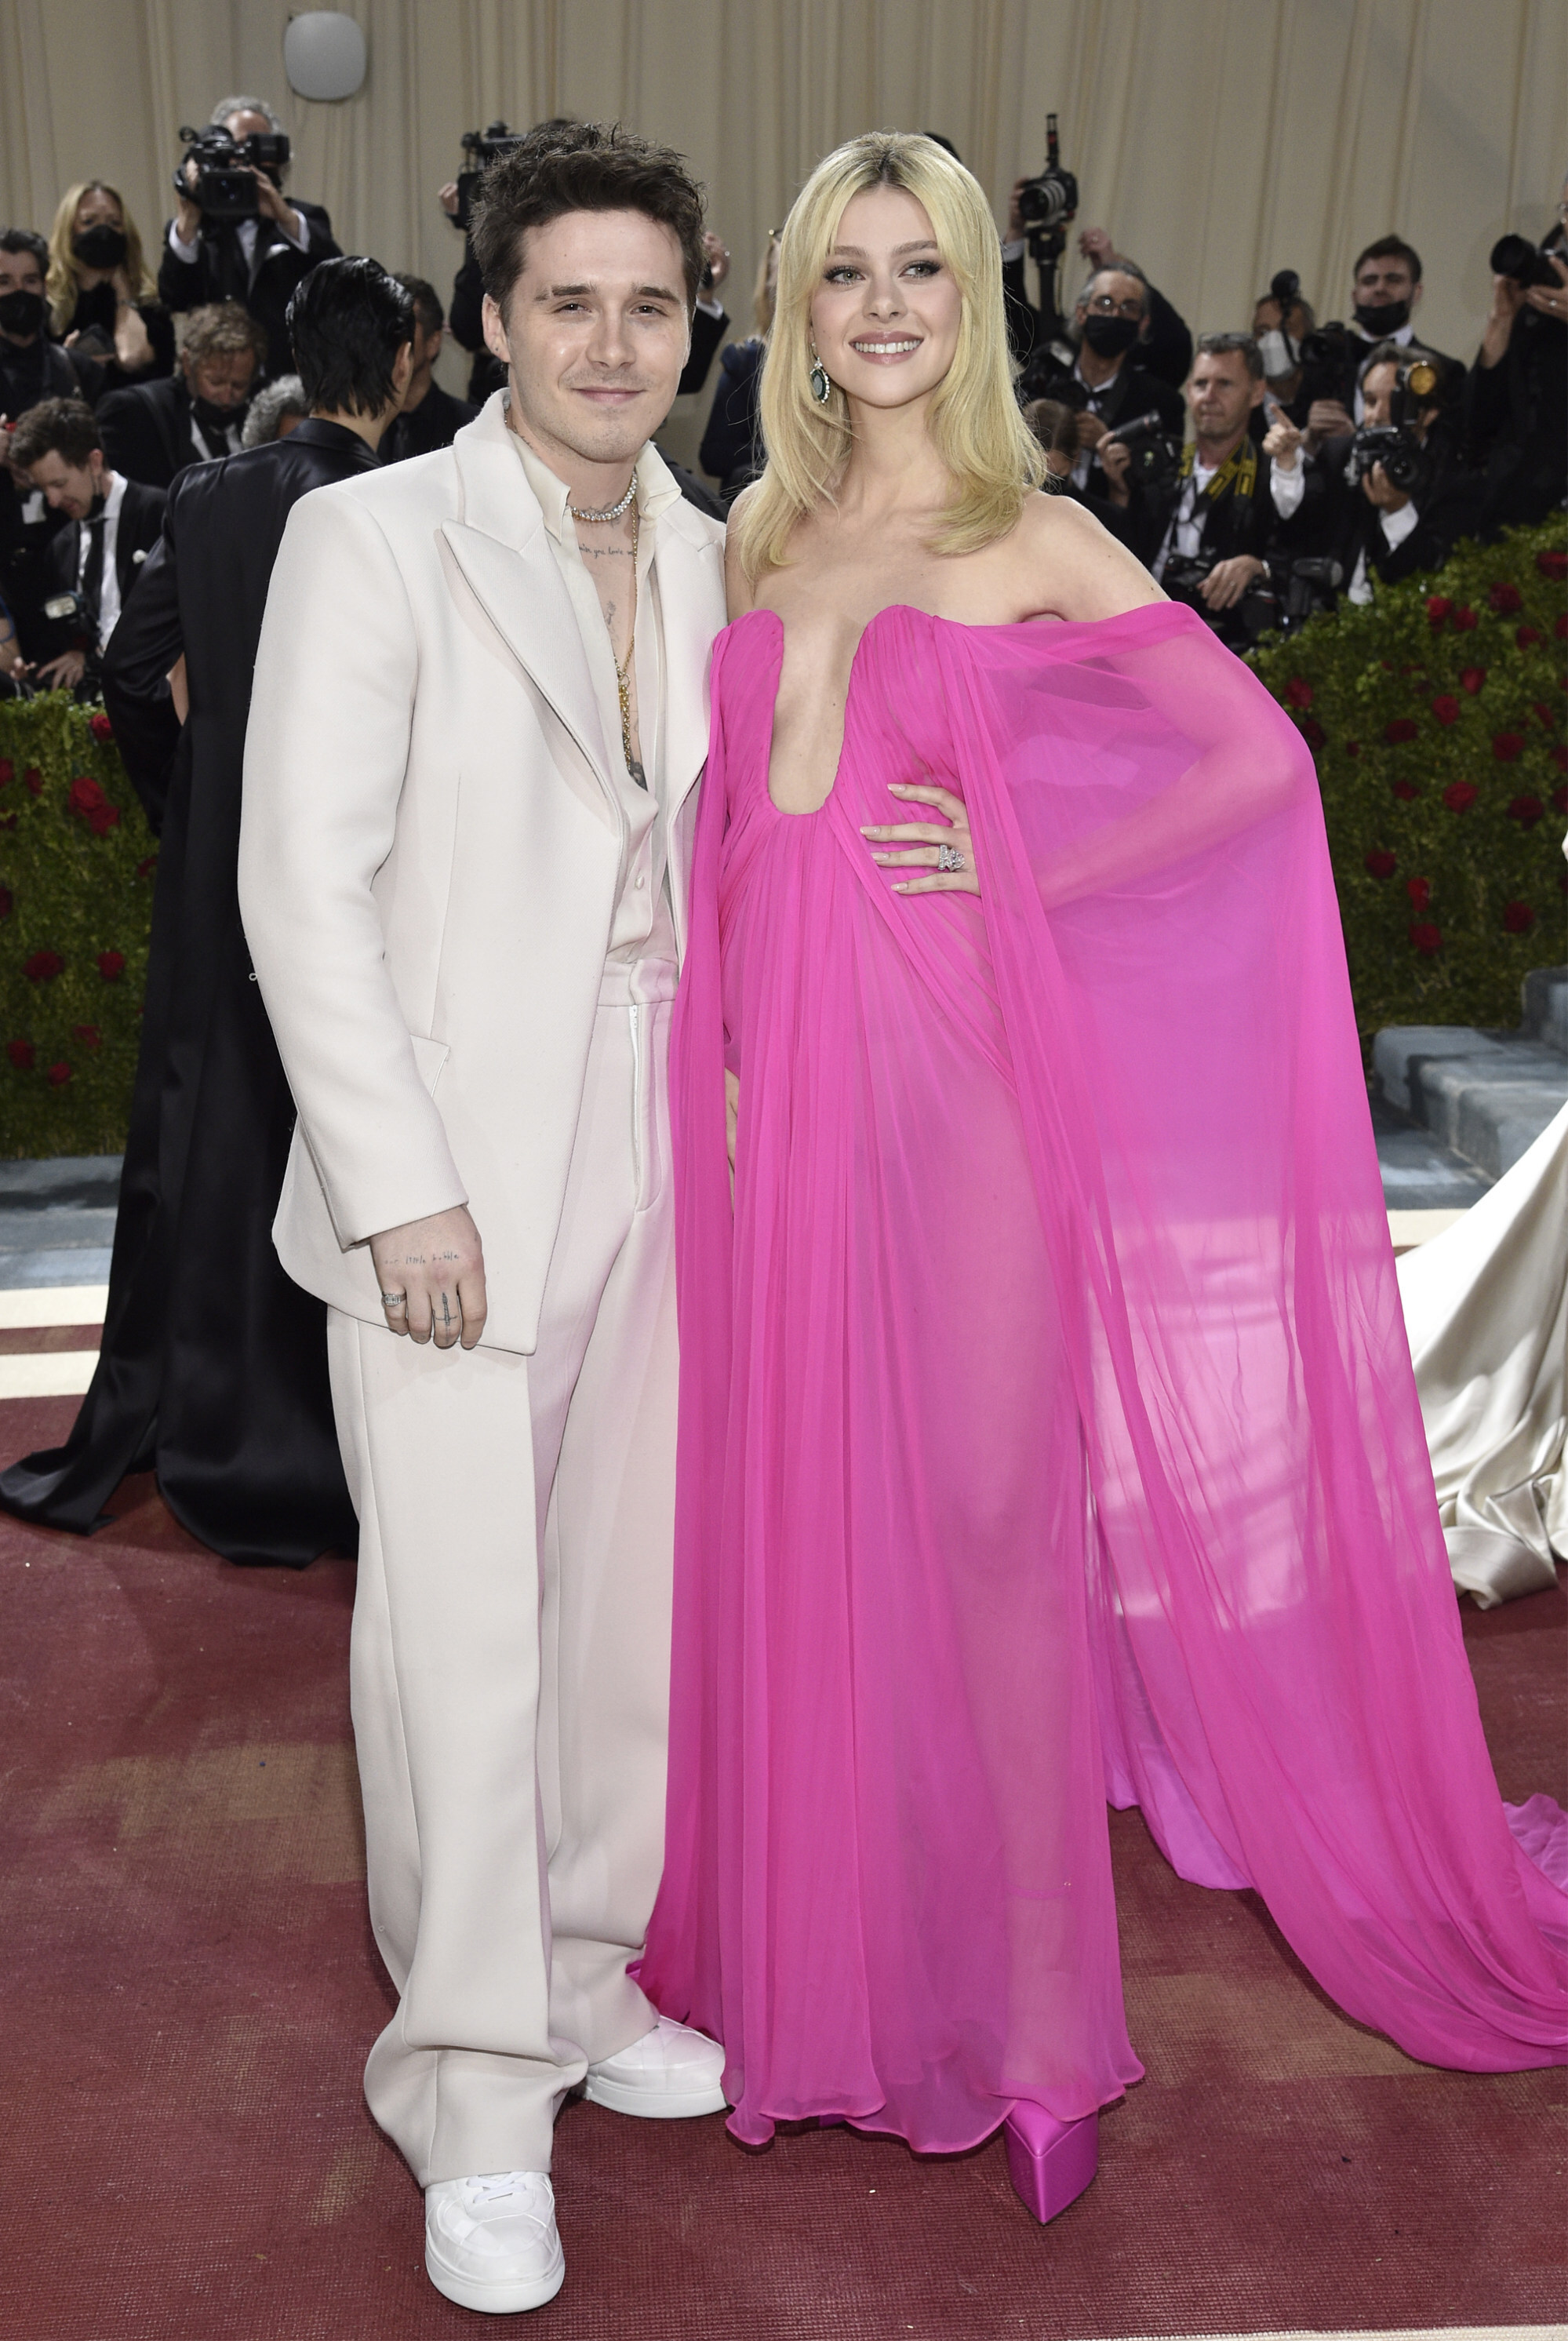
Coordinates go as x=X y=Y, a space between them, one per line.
x=924 y=267
x=842 y=275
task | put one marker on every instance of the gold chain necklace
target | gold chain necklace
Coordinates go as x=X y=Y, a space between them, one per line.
x=623 y=673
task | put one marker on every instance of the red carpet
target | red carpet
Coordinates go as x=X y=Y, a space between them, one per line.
x=189 y=1988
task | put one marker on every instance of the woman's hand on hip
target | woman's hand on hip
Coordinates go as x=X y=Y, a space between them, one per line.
x=431 y=1278
x=943 y=850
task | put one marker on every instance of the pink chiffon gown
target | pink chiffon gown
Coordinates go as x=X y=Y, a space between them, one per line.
x=1048 y=1428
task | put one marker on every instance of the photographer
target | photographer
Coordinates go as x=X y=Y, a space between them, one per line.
x=1516 y=396
x=256 y=261
x=1393 y=497
x=1165 y=347
x=431 y=416
x=156 y=429
x=1103 y=384
x=1204 y=530
x=1385 y=292
x=112 y=526
x=102 y=304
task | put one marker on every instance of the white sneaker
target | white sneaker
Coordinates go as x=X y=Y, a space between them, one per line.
x=490 y=2243
x=669 y=2075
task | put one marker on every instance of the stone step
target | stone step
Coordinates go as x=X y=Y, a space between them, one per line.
x=1547 y=1007
x=1484 y=1096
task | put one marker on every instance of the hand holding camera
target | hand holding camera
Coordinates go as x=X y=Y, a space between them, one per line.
x=222 y=179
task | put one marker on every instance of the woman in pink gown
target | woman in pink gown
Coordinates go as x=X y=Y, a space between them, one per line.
x=1048 y=1432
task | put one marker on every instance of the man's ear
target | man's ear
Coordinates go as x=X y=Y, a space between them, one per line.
x=494 y=327
x=1414 y=293
x=1259 y=386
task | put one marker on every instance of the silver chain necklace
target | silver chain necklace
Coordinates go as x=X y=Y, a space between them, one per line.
x=611 y=512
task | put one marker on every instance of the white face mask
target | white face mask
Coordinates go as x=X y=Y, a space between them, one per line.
x=1278 y=353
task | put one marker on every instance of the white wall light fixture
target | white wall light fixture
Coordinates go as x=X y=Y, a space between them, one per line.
x=325 y=55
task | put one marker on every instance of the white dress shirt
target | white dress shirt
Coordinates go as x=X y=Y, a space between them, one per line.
x=109 y=585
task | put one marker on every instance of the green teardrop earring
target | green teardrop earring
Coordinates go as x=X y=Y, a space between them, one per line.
x=821 y=388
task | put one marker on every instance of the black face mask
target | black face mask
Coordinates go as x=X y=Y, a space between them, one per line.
x=1380 y=318
x=1109 y=337
x=21 y=312
x=99 y=247
x=218 y=420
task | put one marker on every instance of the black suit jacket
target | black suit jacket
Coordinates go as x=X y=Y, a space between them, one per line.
x=219 y=272
x=1228 y=523
x=147 y=432
x=139 y=527
x=434 y=423
x=213 y=1365
x=1166 y=352
x=1336 y=516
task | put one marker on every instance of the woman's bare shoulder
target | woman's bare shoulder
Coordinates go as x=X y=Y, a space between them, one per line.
x=1068 y=563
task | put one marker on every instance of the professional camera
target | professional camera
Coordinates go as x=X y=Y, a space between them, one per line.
x=486 y=146
x=1303 y=586
x=1049 y=202
x=1397 y=445
x=1328 y=358
x=1246 y=622
x=1152 y=454
x=223 y=188
x=1527 y=264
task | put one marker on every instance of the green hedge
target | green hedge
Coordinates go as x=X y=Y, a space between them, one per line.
x=76 y=862
x=1436 y=716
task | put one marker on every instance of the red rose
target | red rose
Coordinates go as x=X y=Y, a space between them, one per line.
x=1352 y=747
x=1518 y=918
x=1508 y=746
x=145 y=868
x=1381 y=863
x=1420 y=892
x=1402 y=727
x=21 y=1055
x=1463 y=620
x=111 y=965
x=1504 y=598
x=1471 y=679
x=1313 y=732
x=7 y=772
x=1527 y=637
x=1438 y=606
x=1446 y=709
x=6 y=904
x=1460 y=795
x=1525 y=810
x=1299 y=691
x=59 y=1074
x=1406 y=791
x=1560 y=800
x=43 y=967
x=1553 y=564
x=103 y=819
x=85 y=796
x=100 y=726
x=33 y=780
x=88 y=1034
x=1426 y=937
x=1543 y=715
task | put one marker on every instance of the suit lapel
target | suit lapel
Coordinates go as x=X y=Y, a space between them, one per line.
x=691 y=609
x=504 y=551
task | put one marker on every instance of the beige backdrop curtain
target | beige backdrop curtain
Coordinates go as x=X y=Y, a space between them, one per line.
x=1218 y=139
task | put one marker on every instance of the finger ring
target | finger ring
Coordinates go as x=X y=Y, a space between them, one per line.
x=949 y=858
x=394 y=1300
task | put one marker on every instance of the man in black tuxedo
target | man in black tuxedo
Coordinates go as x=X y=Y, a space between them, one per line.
x=32 y=367
x=1386 y=294
x=256 y=262
x=155 y=430
x=432 y=417
x=1165 y=345
x=1104 y=382
x=213 y=1367
x=112 y=525
x=1372 y=526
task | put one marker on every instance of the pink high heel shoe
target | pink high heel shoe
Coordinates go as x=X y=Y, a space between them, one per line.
x=1051 y=2162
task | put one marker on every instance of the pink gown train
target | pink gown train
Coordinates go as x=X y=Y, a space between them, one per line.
x=1047 y=1431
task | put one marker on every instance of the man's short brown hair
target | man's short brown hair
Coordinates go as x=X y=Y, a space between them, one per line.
x=222 y=330
x=56 y=426
x=591 y=166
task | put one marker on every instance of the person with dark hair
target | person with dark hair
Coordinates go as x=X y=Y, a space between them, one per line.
x=32 y=367
x=257 y=261
x=432 y=417
x=1516 y=395
x=213 y=1370
x=113 y=523
x=1164 y=343
x=154 y=430
x=1385 y=292
x=477 y=729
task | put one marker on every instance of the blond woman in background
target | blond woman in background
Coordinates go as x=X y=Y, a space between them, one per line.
x=103 y=302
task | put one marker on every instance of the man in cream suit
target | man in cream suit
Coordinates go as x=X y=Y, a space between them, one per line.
x=478 y=722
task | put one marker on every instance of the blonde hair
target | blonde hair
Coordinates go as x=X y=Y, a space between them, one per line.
x=63 y=282
x=975 y=425
x=761 y=295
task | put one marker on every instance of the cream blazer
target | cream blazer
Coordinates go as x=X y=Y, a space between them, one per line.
x=431 y=852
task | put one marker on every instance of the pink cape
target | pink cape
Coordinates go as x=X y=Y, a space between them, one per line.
x=1048 y=1428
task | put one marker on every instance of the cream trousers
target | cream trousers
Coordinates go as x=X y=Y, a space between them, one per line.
x=511 y=1650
